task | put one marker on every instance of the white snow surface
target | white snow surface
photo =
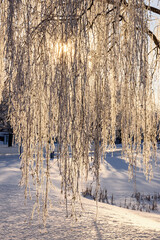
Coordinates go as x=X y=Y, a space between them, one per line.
x=112 y=222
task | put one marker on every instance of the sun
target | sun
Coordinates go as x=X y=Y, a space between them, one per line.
x=63 y=48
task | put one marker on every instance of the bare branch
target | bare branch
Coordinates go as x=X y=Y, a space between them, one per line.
x=150 y=8
x=153 y=9
x=154 y=38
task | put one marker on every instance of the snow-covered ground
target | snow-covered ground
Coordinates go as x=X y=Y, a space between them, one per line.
x=113 y=222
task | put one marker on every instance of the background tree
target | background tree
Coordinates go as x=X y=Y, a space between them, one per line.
x=72 y=69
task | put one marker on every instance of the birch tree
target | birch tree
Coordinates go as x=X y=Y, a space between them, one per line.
x=75 y=71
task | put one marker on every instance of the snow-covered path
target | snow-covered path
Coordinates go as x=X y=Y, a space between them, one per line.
x=112 y=222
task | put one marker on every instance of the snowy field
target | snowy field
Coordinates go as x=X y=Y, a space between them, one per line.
x=113 y=222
